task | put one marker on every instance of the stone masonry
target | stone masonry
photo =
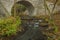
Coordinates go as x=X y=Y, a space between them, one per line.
x=38 y=6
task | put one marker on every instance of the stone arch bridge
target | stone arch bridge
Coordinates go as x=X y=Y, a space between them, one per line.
x=35 y=7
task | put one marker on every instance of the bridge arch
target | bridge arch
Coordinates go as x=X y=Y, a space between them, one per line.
x=29 y=8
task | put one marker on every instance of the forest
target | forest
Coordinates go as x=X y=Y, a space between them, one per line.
x=28 y=21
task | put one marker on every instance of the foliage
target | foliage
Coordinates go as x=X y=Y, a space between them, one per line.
x=53 y=25
x=9 y=26
x=19 y=8
x=51 y=20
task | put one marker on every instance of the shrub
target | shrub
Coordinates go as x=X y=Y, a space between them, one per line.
x=9 y=26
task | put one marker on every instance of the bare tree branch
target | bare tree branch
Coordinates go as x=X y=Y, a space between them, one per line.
x=7 y=13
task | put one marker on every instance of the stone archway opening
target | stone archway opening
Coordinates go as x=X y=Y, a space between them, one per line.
x=23 y=7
